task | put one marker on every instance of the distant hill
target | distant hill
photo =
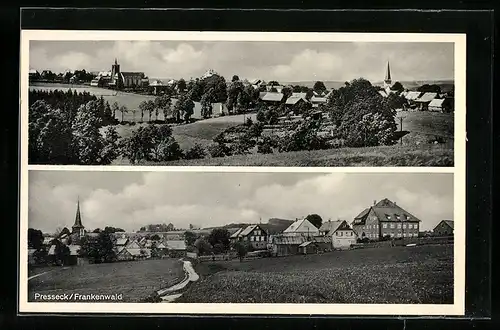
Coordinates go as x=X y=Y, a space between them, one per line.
x=273 y=226
x=446 y=85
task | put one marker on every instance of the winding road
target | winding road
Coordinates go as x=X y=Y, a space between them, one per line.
x=191 y=276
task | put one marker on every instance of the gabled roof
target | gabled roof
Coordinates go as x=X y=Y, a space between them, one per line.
x=299 y=94
x=272 y=97
x=387 y=210
x=305 y=244
x=438 y=103
x=332 y=226
x=294 y=99
x=236 y=233
x=121 y=241
x=161 y=246
x=301 y=226
x=412 y=95
x=427 y=97
x=317 y=99
x=447 y=222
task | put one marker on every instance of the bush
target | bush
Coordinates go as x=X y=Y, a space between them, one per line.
x=265 y=146
x=255 y=130
x=249 y=122
x=169 y=150
x=219 y=150
x=196 y=152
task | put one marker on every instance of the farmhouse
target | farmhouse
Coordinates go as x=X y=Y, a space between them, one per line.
x=317 y=101
x=302 y=228
x=444 y=228
x=295 y=102
x=254 y=234
x=385 y=219
x=440 y=105
x=424 y=100
x=342 y=235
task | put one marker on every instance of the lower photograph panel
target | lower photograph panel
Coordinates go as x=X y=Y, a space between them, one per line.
x=239 y=237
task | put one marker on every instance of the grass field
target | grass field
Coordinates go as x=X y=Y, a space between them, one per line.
x=135 y=280
x=423 y=155
x=422 y=274
x=425 y=125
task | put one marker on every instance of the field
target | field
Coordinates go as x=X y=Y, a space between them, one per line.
x=424 y=125
x=135 y=280
x=129 y=100
x=422 y=274
x=423 y=155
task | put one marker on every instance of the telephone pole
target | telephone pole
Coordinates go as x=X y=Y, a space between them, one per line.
x=401 y=129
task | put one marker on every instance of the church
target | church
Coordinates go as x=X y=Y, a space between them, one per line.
x=118 y=79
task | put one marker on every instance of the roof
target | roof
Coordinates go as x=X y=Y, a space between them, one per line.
x=135 y=252
x=33 y=71
x=294 y=100
x=386 y=210
x=132 y=73
x=261 y=94
x=272 y=97
x=288 y=240
x=119 y=249
x=438 y=103
x=305 y=244
x=300 y=226
x=299 y=94
x=412 y=95
x=121 y=241
x=316 y=99
x=330 y=226
x=427 y=97
x=450 y=223
x=78 y=218
x=161 y=246
x=383 y=93
x=52 y=250
x=176 y=245
x=236 y=233
x=247 y=230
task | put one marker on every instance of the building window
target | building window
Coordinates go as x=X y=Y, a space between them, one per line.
x=398 y=217
x=341 y=233
x=336 y=233
x=384 y=225
x=410 y=226
x=392 y=226
x=404 y=225
x=416 y=226
x=251 y=238
x=399 y=226
x=404 y=234
x=399 y=234
x=388 y=217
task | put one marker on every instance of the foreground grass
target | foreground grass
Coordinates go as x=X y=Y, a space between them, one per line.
x=423 y=155
x=422 y=274
x=135 y=280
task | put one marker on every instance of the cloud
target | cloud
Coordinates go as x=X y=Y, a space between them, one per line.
x=211 y=199
x=285 y=61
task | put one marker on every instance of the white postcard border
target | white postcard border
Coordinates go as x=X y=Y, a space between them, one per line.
x=457 y=308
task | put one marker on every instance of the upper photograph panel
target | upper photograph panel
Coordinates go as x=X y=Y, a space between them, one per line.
x=301 y=103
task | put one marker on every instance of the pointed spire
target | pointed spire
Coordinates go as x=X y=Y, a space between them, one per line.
x=388 y=73
x=78 y=218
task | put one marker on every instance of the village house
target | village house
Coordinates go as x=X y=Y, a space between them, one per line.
x=316 y=101
x=410 y=97
x=255 y=235
x=385 y=219
x=317 y=244
x=444 y=228
x=342 y=235
x=294 y=103
x=441 y=105
x=424 y=100
x=272 y=98
x=302 y=227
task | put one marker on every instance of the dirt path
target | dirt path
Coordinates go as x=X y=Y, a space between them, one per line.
x=191 y=276
x=40 y=274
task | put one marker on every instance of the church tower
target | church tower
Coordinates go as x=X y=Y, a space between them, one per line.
x=78 y=227
x=115 y=74
x=388 y=80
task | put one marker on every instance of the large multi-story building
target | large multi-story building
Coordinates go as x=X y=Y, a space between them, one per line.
x=385 y=219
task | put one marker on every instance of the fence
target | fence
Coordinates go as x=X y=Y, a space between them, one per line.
x=402 y=242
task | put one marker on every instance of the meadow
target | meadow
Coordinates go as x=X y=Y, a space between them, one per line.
x=135 y=280
x=397 y=275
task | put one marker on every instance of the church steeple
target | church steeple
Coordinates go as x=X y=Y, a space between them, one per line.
x=388 y=80
x=78 y=226
x=116 y=62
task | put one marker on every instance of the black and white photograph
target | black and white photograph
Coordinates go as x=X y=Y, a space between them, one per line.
x=219 y=102
x=212 y=237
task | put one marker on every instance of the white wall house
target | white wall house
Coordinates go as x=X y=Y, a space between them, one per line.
x=301 y=228
x=341 y=233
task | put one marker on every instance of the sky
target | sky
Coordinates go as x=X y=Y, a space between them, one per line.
x=130 y=200
x=281 y=61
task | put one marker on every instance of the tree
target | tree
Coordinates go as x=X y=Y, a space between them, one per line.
x=112 y=230
x=169 y=150
x=315 y=219
x=219 y=149
x=398 y=87
x=203 y=246
x=395 y=101
x=241 y=249
x=110 y=150
x=146 y=106
x=184 y=108
x=114 y=108
x=371 y=130
x=181 y=85
x=264 y=146
x=61 y=253
x=163 y=103
x=206 y=105
x=49 y=134
x=287 y=92
x=217 y=85
x=98 y=249
x=35 y=239
x=87 y=140
x=219 y=236
x=428 y=88
x=190 y=238
x=319 y=87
